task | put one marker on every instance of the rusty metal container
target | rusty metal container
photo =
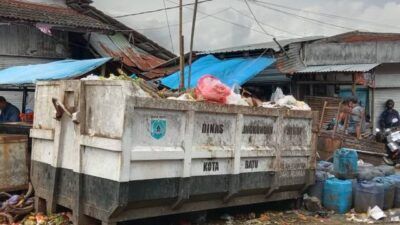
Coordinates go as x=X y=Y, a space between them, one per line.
x=14 y=171
x=115 y=157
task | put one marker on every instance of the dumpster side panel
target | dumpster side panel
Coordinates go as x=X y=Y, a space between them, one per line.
x=105 y=107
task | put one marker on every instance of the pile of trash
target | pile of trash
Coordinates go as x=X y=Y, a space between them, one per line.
x=357 y=189
x=41 y=219
x=15 y=207
x=209 y=89
x=279 y=100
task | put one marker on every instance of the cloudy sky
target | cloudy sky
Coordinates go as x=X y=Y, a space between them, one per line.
x=226 y=23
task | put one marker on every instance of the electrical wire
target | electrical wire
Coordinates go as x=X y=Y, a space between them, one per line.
x=264 y=24
x=255 y=19
x=158 y=10
x=186 y=22
x=304 y=18
x=169 y=28
x=327 y=14
x=226 y=21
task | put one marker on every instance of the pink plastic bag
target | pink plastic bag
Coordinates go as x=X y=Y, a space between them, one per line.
x=212 y=89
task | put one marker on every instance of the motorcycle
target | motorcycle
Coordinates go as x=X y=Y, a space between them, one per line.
x=391 y=137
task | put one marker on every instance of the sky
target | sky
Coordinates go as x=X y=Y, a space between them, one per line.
x=227 y=23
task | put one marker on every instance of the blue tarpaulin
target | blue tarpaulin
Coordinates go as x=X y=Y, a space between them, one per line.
x=229 y=71
x=64 y=69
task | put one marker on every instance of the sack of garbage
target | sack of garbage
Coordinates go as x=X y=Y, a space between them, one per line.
x=286 y=101
x=386 y=170
x=300 y=105
x=236 y=99
x=325 y=166
x=210 y=88
x=369 y=173
x=278 y=94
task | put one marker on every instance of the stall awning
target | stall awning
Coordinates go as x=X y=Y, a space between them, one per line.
x=64 y=69
x=229 y=71
x=339 y=68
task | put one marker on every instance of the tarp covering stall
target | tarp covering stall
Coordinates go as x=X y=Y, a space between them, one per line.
x=64 y=69
x=229 y=71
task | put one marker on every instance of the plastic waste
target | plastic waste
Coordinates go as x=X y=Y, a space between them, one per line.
x=386 y=170
x=236 y=99
x=236 y=89
x=286 y=100
x=389 y=191
x=367 y=195
x=345 y=163
x=317 y=189
x=376 y=213
x=369 y=173
x=211 y=89
x=325 y=166
x=337 y=195
x=91 y=77
x=278 y=94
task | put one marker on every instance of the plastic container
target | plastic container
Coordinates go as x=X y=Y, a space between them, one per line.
x=386 y=170
x=368 y=194
x=337 y=195
x=345 y=163
x=389 y=191
x=317 y=189
x=325 y=166
x=369 y=173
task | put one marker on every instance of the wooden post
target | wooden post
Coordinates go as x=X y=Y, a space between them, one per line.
x=181 y=49
x=321 y=122
x=337 y=119
x=353 y=86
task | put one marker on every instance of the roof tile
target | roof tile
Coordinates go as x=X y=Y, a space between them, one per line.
x=55 y=15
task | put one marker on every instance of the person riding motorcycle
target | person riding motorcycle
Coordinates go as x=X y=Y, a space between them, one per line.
x=388 y=122
x=390 y=117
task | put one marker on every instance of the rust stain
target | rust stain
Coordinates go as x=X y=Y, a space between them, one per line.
x=132 y=58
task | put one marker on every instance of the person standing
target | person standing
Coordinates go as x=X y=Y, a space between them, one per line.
x=356 y=118
x=9 y=112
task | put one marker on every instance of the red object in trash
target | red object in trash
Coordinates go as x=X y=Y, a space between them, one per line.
x=212 y=89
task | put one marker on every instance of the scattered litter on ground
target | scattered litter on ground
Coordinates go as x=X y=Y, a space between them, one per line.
x=376 y=213
x=15 y=207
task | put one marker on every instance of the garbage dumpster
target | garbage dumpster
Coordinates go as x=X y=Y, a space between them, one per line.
x=108 y=155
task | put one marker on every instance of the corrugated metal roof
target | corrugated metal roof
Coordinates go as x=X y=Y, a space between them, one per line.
x=117 y=46
x=55 y=15
x=339 y=68
x=263 y=45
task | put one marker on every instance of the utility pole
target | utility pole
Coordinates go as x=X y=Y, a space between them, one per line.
x=191 y=42
x=181 y=49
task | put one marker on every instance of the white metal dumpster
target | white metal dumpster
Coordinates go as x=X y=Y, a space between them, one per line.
x=109 y=155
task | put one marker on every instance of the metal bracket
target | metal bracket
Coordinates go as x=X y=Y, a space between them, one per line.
x=274 y=186
x=234 y=186
x=61 y=109
x=183 y=192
